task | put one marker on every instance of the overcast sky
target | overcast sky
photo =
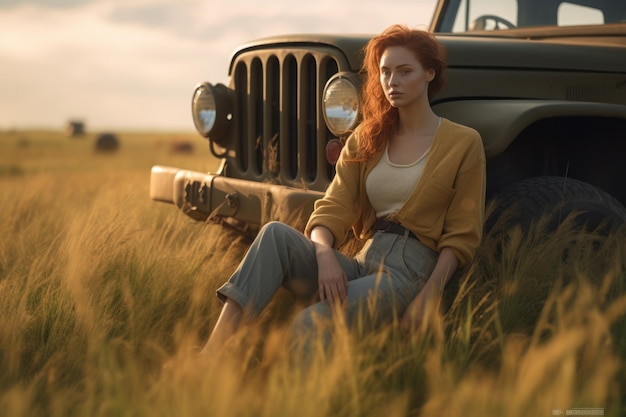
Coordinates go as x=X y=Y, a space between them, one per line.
x=133 y=64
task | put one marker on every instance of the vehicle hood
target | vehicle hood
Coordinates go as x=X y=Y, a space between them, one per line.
x=348 y=46
x=604 y=52
x=554 y=53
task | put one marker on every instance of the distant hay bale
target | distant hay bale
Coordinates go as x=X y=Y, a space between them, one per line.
x=23 y=143
x=181 y=146
x=75 y=128
x=107 y=142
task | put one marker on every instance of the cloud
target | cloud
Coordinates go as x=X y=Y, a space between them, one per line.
x=180 y=18
x=52 y=4
x=134 y=63
x=80 y=64
x=203 y=20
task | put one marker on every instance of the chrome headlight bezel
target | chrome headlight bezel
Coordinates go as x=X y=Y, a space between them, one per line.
x=341 y=103
x=211 y=108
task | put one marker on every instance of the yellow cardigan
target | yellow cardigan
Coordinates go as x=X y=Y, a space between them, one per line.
x=446 y=208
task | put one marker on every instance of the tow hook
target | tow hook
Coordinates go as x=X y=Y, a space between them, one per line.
x=232 y=200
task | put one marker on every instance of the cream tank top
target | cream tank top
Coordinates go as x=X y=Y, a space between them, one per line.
x=389 y=185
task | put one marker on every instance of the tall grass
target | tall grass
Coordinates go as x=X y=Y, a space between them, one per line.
x=104 y=296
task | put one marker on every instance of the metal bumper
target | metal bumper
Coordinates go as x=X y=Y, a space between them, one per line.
x=203 y=196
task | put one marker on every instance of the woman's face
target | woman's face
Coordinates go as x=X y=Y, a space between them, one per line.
x=402 y=77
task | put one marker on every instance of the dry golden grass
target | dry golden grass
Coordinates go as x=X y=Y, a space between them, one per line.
x=100 y=287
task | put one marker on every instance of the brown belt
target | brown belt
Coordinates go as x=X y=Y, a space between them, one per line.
x=391 y=227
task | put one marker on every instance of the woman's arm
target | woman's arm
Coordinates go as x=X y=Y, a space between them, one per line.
x=332 y=280
x=430 y=296
x=338 y=210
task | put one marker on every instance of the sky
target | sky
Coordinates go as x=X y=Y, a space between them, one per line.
x=133 y=64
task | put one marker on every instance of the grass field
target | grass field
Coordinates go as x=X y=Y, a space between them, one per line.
x=104 y=294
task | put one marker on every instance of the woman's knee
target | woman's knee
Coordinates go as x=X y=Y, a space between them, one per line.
x=310 y=318
x=310 y=327
x=276 y=231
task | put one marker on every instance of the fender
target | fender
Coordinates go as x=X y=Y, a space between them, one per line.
x=499 y=122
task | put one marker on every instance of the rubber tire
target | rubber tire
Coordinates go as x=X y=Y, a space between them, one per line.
x=525 y=202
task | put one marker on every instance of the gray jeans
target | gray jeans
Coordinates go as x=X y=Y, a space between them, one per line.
x=384 y=277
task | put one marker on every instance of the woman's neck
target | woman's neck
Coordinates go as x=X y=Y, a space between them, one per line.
x=417 y=118
x=417 y=121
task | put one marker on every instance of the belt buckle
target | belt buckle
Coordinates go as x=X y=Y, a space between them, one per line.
x=385 y=226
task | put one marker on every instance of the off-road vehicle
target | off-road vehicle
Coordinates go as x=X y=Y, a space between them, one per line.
x=543 y=81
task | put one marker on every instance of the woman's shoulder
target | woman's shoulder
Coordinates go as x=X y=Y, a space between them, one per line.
x=456 y=135
x=352 y=145
x=353 y=139
x=458 y=130
x=461 y=140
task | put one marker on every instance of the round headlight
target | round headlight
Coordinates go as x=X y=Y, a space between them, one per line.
x=341 y=103
x=211 y=109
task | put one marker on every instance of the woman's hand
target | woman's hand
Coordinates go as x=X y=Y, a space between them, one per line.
x=331 y=278
x=421 y=308
x=428 y=300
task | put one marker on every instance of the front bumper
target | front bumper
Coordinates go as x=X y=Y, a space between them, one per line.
x=248 y=203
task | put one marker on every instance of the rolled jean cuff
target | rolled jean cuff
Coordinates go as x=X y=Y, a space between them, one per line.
x=230 y=290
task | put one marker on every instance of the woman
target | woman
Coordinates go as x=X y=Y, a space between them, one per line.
x=409 y=182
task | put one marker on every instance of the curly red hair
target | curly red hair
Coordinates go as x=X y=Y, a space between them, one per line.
x=380 y=119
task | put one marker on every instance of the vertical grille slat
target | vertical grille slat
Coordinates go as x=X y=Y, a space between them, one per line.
x=272 y=117
x=328 y=69
x=281 y=131
x=289 y=119
x=241 y=88
x=255 y=150
x=308 y=119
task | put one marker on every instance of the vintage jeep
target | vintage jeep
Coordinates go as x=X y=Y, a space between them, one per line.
x=543 y=81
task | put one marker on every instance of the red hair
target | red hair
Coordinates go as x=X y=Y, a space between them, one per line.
x=380 y=119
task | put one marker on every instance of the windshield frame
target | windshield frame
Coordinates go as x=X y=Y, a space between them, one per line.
x=449 y=13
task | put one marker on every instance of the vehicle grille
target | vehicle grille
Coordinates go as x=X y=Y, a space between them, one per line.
x=280 y=135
